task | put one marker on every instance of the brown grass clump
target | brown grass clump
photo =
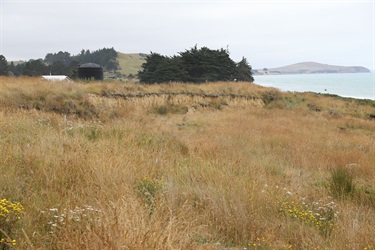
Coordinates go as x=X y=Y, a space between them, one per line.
x=173 y=166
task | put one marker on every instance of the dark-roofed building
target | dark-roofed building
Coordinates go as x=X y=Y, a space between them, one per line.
x=89 y=71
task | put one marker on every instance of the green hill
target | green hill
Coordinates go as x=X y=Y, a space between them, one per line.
x=130 y=63
x=313 y=68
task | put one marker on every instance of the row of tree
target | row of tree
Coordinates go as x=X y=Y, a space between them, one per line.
x=106 y=57
x=61 y=63
x=194 y=65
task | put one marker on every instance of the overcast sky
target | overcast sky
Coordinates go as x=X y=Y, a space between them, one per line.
x=268 y=33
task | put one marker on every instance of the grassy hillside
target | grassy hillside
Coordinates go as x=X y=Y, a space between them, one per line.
x=130 y=63
x=171 y=166
x=313 y=68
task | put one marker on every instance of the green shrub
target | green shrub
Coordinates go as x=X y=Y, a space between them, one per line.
x=341 y=183
x=270 y=96
x=147 y=189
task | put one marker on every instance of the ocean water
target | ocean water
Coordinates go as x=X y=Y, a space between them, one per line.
x=356 y=85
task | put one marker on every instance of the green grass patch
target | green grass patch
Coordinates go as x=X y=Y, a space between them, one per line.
x=341 y=183
x=130 y=63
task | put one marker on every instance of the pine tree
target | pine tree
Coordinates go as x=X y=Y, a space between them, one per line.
x=3 y=66
x=194 y=65
x=148 y=74
x=206 y=65
x=35 y=68
x=244 y=73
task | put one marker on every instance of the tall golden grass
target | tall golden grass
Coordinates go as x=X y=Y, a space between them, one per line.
x=182 y=171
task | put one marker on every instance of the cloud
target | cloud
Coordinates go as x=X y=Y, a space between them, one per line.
x=268 y=33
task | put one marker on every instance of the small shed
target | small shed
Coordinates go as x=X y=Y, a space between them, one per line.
x=90 y=70
x=57 y=78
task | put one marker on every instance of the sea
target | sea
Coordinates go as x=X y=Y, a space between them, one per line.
x=355 y=85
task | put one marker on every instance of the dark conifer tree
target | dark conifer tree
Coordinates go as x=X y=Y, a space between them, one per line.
x=244 y=73
x=35 y=68
x=194 y=65
x=3 y=66
x=150 y=68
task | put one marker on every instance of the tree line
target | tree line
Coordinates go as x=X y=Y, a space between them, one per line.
x=196 y=66
x=61 y=63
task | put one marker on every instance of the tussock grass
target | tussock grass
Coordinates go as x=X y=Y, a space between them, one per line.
x=208 y=178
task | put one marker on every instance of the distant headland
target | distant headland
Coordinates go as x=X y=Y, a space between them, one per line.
x=310 y=68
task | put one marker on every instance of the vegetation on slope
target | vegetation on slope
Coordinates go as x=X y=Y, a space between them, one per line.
x=130 y=64
x=170 y=166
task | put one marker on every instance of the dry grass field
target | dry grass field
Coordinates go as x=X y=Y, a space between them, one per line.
x=216 y=166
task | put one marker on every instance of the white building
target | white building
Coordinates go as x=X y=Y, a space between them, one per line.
x=57 y=78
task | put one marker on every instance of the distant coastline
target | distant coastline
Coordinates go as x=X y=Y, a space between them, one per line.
x=310 y=68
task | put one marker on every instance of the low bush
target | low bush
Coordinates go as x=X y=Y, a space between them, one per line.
x=341 y=183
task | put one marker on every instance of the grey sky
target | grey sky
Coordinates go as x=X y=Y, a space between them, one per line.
x=268 y=33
